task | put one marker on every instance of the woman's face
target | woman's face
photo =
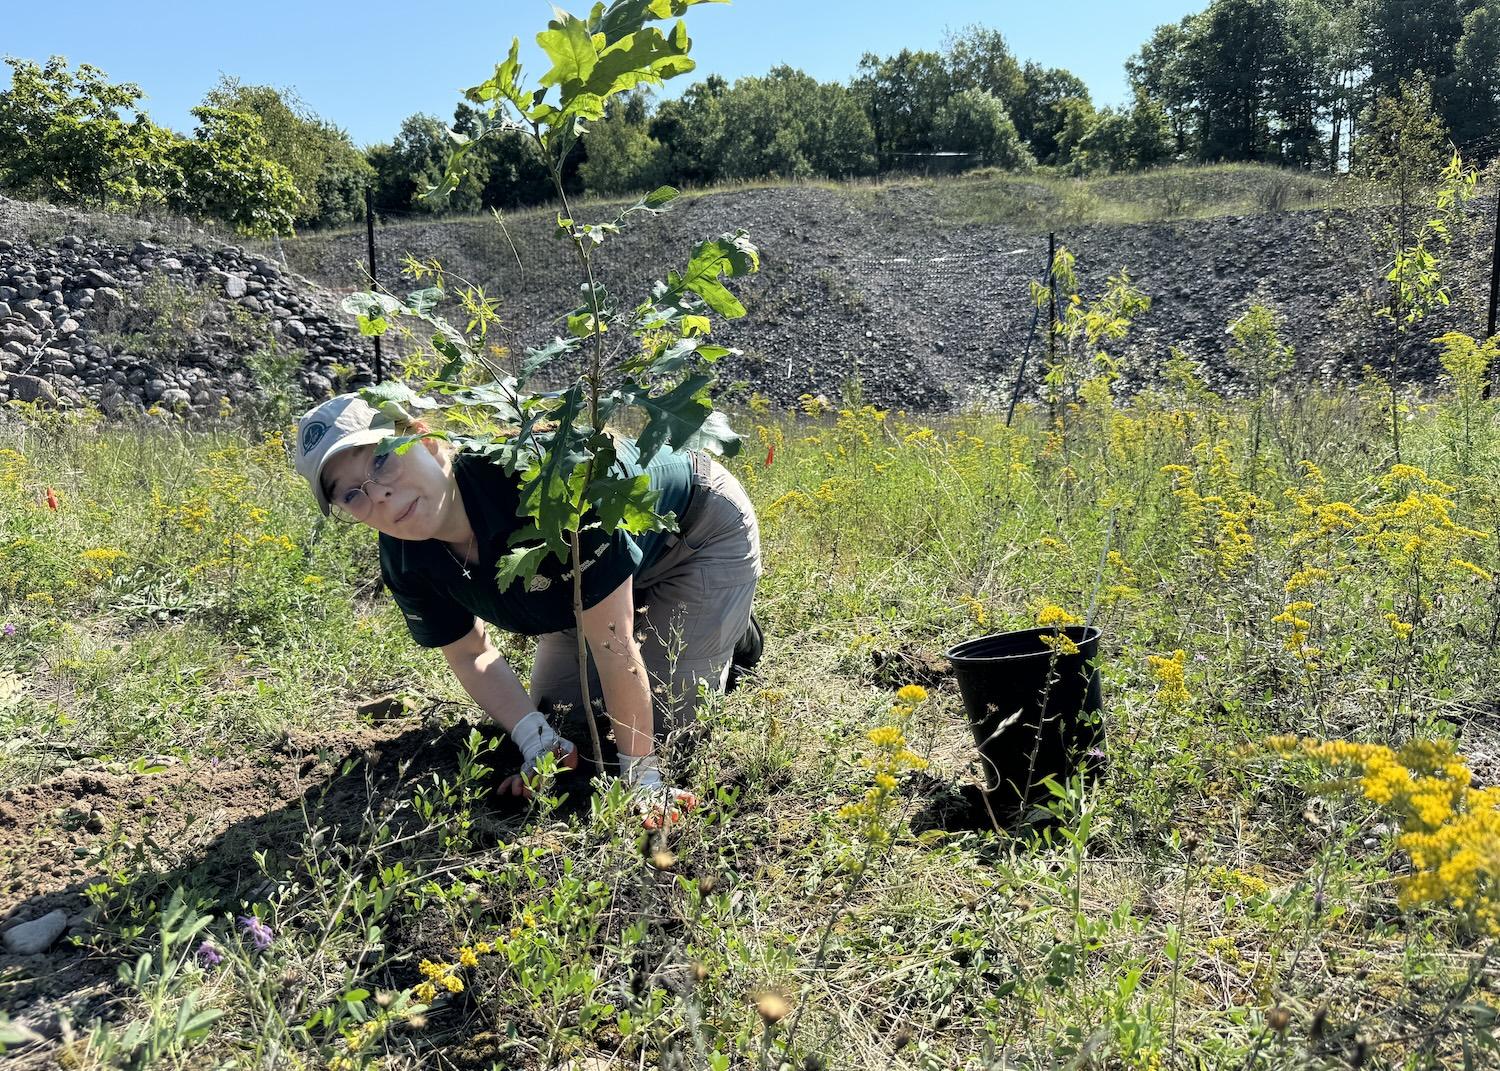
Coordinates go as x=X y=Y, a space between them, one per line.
x=409 y=496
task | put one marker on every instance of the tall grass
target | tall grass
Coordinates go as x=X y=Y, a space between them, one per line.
x=1208 y=902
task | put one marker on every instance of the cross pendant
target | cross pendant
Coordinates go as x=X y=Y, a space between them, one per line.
x=465 y=570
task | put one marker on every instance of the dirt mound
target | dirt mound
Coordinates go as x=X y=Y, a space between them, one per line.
x=874 y=286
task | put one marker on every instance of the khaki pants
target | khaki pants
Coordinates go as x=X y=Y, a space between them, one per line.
x=691 y=607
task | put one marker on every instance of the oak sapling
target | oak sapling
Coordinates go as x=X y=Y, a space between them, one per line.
x=652 y=357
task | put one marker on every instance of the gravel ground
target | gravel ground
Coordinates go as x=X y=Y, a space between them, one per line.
x=929 y=316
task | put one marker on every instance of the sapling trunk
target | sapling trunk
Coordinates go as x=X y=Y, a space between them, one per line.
x=596 y=360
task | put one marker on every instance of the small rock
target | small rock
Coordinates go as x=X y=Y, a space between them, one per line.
x=385 y=708
x=107 y=299
x=32 y=938
x=175 y=398
x=96 y=277
x=234 y=286
x=14 y=332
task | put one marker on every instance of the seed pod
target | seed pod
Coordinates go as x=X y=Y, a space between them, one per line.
x=1278 y=1019
x=772 y=1007
x=663 y=859
x=1359 y=1053
x=700 y=972
x=901 y=1038
x=383 y=999
x=707 y=884
x=1319 y=1025
x=813 y=1062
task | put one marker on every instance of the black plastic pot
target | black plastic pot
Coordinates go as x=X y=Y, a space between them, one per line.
x=1034 y=712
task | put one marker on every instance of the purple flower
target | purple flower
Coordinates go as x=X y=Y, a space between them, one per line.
x=208 y=955
x=9 y=630
x=257 y=931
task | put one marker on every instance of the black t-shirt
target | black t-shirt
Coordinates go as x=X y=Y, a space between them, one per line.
x=440 y=605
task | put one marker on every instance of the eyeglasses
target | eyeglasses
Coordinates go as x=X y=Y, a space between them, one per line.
x=355 y=504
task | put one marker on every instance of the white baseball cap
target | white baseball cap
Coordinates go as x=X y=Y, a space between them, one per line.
x=327 y=430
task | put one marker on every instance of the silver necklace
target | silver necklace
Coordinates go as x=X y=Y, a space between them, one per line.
x=462 y=563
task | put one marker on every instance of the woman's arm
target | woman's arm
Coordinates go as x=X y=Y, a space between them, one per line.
x=487 y=677
x=609 y=628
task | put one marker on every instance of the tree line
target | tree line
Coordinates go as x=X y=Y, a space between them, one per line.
x=1299 y=83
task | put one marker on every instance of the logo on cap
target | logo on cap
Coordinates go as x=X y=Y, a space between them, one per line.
x=312 y=435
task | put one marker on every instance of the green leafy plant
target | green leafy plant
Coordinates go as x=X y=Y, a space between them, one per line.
x=1414 y=274
x=174 y=1021
x=649 y=361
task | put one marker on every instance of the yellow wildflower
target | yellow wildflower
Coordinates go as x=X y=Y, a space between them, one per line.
x=1053 y=616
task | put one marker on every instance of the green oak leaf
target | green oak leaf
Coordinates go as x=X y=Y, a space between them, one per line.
x=519 y=564
x=715 y=436
x=505 y=84
x=672 y=417
x=538 y=358
x=424 y=300
x=567 y=42
x=624 y=502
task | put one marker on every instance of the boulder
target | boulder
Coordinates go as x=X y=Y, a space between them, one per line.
x=24 y=388
x=97 y=277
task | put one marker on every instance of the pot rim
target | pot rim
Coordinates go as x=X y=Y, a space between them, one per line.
x=1079 y=634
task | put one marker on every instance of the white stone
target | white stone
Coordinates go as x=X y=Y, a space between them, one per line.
x=31 y=938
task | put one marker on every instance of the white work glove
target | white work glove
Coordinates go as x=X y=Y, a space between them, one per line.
x=536 y=737
x=658 y=803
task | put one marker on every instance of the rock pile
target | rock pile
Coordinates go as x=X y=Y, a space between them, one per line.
x=135 y=325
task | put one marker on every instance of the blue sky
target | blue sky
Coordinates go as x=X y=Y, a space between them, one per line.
x=367 y=66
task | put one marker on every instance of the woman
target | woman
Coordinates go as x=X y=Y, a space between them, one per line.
x=662 y=611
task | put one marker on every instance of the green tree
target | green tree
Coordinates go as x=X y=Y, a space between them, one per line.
x=1043 y=109
x=788 y=124
x=974 y=121
x=1231 y=49
x=692 y=129
x=76 y=138
x=1299 y=81
x=1404 y=37
x=1123 y=139
x=1076 y=118
x=1159 y=72
x=1402 y=143
x=329 y=172
x=515 y=175
x=623 y=157
x=230 y=177
x=1474 y=90
x=980 y=58
x=415 y=162
x=901 y=95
